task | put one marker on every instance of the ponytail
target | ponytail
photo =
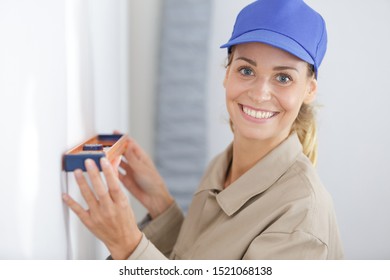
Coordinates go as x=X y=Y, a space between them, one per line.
x=306 y=128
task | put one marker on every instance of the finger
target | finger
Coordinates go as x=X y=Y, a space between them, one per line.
x=128 y=182
x=123 y=165
x=77 y=209
x=115 y=163
x=112 y=181
x=126 y=177
x=132 y=159
x=124 y=170
x=136 y=149
x=125 y=174
x=96 y=181
x=85 y=190
x=129 y=151
x=117 y=132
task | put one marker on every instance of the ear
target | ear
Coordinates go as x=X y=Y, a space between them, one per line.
x=226 y=76
x=311 y=93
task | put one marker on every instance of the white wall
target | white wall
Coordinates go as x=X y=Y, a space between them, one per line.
x=354 y=122
x=63 y=78
x=32 y=75
x=145 y=27
x=98 y=69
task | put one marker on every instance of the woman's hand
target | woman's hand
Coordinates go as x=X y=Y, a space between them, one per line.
x=109 y=217
x=142 y=179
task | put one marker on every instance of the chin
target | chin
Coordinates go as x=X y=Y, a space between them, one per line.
x=252 y=134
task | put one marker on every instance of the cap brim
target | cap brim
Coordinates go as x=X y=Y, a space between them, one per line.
x=274 y=39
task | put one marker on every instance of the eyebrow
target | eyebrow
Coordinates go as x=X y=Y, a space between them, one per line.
x=250 y=61
x=281 y=68
x=276 y=68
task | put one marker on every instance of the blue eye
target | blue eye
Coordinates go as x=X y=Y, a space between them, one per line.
x=246 y=71
x=283 y=78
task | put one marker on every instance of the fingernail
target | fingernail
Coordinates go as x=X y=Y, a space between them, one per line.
x=78 y=173
x=88 y=163
x=104 y=162
x=65 y=197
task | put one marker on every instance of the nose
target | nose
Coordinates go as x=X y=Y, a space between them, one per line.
x=260 y=91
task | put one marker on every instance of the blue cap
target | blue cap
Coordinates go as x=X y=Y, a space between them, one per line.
x=290 y=25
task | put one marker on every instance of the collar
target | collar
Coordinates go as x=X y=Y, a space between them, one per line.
x=256 y=180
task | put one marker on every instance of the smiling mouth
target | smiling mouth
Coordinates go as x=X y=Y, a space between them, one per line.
x=257 y=114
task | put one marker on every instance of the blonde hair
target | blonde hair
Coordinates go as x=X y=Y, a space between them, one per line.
x=305 y=126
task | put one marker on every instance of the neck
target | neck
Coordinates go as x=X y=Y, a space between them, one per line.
x=246 y=153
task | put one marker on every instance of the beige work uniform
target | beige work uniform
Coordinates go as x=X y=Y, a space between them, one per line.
x=276 y=210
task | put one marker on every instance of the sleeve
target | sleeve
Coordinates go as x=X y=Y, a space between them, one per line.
x=146 y=251
x=159 y=235
x=297 y=245
x=164 y=229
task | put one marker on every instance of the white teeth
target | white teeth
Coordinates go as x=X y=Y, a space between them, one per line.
x=257 y=114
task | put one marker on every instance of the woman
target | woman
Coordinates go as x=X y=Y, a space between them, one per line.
x=261 y=198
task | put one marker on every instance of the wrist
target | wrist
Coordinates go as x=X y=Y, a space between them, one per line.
x=125 y=249
x=160 y=205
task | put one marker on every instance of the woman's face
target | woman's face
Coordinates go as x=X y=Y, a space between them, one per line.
x=265 y=88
